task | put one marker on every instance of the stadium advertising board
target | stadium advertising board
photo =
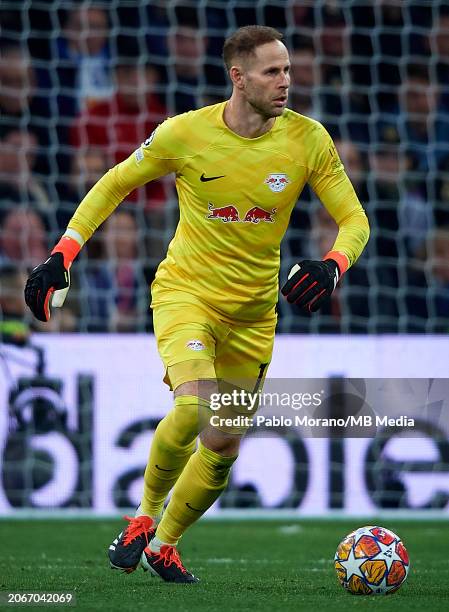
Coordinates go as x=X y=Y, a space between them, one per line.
x=77 y=435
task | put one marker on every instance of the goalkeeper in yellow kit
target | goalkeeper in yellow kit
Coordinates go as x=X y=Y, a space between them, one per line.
x=240 y=167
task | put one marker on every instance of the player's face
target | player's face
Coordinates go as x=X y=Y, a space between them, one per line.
x=266 y=78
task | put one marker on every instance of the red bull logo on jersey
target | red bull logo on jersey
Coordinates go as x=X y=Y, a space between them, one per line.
x=277 y=182
x=256 y=214
x=230 y=213
x=225 y=213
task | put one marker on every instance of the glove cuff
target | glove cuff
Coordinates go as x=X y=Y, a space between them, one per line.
x=340 y=259
x=69 y=248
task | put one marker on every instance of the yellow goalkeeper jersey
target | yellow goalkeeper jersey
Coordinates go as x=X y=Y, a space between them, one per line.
x=236 y=196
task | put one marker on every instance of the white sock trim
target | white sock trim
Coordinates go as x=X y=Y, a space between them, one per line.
x=156 y=543
x=140 y=512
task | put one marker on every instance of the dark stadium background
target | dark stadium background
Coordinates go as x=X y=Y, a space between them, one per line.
x=375 y=73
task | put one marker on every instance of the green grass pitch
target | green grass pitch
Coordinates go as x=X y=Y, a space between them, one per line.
x=243 y=565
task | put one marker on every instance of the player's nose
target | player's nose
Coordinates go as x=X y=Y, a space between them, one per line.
x=285 y=81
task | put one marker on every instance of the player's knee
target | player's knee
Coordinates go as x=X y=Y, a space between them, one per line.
x=199 y=388
x=220 y=442
x=180 y=427
x=191 y=413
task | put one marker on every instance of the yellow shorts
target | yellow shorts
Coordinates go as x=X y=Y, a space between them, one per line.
x=196 y=344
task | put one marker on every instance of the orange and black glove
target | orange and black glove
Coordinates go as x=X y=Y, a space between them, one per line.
x=49 y=283
x=311 y=283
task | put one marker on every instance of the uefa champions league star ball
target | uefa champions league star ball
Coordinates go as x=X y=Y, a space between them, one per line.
x=371 y=561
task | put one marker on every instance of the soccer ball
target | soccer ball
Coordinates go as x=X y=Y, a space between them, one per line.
x=371 y=561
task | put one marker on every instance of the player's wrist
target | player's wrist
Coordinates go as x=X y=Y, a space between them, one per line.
x=69 y=247
x=339 y=258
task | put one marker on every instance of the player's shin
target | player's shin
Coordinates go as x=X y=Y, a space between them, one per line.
x=202 y=481
x=172 y=445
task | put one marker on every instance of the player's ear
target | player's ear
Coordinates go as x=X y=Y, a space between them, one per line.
x=237 y=76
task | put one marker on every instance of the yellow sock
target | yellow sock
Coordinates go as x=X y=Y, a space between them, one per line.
x=200 y=484
x=172 y=445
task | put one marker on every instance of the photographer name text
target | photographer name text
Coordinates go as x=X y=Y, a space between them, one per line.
x=308 y=421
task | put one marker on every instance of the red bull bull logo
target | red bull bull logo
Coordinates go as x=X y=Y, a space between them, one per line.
x=225 y=213
x=229 y=213
x=256 y=214
x=277 y=182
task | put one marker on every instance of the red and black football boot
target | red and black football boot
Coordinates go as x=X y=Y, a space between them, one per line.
x=126 y=550
x=167 y=565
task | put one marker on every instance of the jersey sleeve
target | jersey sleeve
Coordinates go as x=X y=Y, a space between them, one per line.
x=332 y=186
x=155 y=157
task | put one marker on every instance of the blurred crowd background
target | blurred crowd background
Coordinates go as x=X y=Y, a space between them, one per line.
x=82 y=84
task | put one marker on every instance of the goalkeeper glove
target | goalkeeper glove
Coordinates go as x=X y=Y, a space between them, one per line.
x=311 y=283
x=49 y=283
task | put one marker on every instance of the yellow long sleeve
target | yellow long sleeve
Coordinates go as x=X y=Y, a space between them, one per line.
x=341 y=201
x=112 y=188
